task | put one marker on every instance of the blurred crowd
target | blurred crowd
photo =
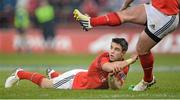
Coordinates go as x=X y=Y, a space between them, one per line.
x=45 y=15
x=25 y=13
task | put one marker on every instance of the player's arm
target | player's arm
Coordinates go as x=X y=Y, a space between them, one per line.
x=117 y=66
x=126 y=4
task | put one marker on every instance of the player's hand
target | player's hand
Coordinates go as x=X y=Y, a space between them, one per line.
x=117 y=69
x=114 y=82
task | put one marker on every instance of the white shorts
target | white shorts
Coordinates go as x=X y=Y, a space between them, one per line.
x=65 y=80
x=158 y=24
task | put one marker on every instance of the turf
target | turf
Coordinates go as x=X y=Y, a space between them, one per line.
x=167 y=86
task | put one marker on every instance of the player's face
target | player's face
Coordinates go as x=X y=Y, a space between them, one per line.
x=116 y=52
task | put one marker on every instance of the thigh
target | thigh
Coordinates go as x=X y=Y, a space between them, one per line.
x=46 y=83
x=135 y=14
x=65 y=80
x=145 y=44
x=158 y=24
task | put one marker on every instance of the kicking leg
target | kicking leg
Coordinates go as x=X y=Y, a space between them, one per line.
x=134 y=14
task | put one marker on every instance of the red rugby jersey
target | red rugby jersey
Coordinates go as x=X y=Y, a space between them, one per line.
x=168 y=7
x=95 y=78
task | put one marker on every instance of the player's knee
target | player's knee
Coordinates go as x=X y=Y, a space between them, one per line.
x=141 y=51
x=43 y=86
x=126 y=17
x=46 y=83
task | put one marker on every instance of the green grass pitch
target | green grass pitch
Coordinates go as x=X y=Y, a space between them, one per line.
x=166 y=69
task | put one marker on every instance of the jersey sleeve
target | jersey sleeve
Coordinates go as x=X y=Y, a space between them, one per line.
x=103 y=60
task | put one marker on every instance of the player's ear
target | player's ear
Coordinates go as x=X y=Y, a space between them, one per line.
x=124 y=52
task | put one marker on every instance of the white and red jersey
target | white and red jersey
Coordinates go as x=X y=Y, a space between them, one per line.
x=168 y=7
x=95 y=78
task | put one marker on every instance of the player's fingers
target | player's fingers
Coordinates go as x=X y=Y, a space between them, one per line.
x=116 y=70
x=120 y=69
x=111 y=74
x=113 y=71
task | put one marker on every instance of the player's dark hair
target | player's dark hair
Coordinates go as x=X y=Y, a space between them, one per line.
x=122 y=42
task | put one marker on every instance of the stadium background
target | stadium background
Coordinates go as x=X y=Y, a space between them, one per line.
x=22 y=44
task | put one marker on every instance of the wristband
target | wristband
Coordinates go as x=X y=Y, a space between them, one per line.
x=129 y=61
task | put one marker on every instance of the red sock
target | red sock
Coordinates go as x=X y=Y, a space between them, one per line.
x=147 y=65
x=55 y=74
x=34 y=77
x=111 y=19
